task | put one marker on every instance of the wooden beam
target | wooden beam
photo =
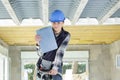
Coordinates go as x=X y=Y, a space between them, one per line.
x=79 y=34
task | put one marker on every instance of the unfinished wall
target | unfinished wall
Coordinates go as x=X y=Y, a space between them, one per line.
x=14 y=53
x=99 y=61
x=115 y=50
x=14 y=61
x=5 y=57
x=3 y=48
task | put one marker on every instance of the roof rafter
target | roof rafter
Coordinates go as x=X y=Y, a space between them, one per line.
x=109 y=13
x=79 y=10
x=45 y=11
x=11 y=11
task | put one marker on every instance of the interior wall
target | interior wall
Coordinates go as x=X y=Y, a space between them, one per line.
x=115 y=50
x=3 y=48
x=14 y=53
x=4 y=61
x=99 y=60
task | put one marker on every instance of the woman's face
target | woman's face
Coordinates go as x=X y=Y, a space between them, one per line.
x=57 y=26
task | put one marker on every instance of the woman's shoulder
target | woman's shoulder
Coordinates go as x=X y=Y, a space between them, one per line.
x=66 y=32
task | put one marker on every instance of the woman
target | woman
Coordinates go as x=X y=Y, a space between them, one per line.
x=62 y=38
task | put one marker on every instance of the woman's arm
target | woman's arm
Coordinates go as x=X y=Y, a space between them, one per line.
x=60 y=52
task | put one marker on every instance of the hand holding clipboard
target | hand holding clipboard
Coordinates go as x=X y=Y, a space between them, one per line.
x=46 y=39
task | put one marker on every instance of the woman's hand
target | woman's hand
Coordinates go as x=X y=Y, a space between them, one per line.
x=37 y=38
x=53 y=72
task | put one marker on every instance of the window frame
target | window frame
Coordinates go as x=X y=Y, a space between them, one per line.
x=118 y=61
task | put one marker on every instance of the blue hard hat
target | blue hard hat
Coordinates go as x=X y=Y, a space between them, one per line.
x=57 y=16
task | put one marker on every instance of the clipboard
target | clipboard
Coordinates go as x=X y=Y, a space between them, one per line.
x=48 y=41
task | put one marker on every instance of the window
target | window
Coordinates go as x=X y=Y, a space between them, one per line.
x=75 y=65
x=117 y=61
x=81 y=68
x=3 y=67
x=66 y=65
